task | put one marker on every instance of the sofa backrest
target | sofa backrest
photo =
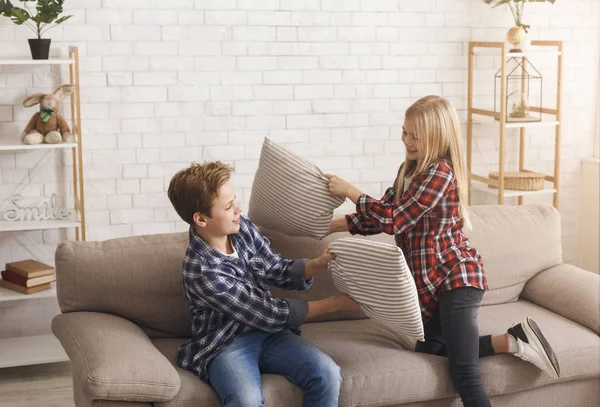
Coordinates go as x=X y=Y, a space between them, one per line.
x=515 y=242
x=139 y=278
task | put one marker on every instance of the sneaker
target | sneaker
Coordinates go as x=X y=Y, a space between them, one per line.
x=534 y=348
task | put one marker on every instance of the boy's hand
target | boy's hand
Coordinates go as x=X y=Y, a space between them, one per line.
x=337 y=302
x=318 y=265
x=346 y=303
x=324 y=259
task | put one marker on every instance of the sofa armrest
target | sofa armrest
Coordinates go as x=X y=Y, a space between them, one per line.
x=113 y=359
x=568 y=291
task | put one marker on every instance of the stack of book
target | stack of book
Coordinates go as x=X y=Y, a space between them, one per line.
x=27 y=276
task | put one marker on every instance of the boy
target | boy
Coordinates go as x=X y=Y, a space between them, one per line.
x=239 y=329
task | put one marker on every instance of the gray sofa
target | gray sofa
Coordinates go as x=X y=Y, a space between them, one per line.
x=124 y=316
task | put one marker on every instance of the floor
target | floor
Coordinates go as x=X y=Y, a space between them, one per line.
x=35 y=386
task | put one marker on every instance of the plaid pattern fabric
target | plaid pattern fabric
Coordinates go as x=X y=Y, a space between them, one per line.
x=428 y=229
x=226 y=295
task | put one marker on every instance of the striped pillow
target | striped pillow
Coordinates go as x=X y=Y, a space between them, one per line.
x=376 y=276
x=289 y=194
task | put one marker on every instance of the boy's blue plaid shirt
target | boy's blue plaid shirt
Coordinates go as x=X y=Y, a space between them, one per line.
x=226 y=294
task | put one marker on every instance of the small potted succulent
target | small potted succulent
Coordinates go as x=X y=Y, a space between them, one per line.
x=516 y=35
x=47 y=16
x=519 y=106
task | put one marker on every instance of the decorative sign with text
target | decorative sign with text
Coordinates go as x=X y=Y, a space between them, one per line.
x=45 y=210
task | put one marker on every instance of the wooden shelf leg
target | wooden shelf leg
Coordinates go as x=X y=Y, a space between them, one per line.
x=503 y=87
x=470 y=124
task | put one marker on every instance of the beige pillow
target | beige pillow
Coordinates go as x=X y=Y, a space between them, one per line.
x=375 y=274
x=290 y=195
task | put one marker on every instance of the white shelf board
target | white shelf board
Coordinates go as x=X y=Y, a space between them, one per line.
x=10 y=295
x=533 y=54
x=496 y=52
x=516 y=124
x=543 y=123
x=17 y=225
x=509 y=193
x=29 y=61
x=31 y=350
x=8 y=146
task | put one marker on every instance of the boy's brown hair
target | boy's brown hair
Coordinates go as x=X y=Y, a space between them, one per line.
x=194 y=189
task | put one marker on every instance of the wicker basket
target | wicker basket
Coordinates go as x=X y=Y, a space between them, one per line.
x=519 y=181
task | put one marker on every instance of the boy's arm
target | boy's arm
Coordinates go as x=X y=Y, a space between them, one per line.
x=276 y=270
x=423 y=195
x=245 y=302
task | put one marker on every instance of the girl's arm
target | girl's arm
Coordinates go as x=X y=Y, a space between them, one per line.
x=360 y=224
x=396 y=217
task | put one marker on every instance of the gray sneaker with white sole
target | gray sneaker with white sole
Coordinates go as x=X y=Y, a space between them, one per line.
x=534 y=347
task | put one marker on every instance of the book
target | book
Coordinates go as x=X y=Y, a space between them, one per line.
x=30 y=268
x=25 y=290
x=24 y=281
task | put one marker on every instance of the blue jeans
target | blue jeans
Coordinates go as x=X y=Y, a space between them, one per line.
x=234 y=372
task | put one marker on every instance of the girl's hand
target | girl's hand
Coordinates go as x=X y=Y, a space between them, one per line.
x=338 y=186
x=338 y=225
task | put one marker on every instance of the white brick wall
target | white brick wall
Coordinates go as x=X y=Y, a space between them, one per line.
x=166 y=82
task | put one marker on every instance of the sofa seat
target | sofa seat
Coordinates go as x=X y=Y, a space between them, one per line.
x=378 y=372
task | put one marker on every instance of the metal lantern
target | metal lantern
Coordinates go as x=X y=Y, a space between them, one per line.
x=523 y=91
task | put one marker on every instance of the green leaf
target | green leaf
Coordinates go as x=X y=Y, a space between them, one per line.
x=19 y=16
x=6 y=8
x=62 y=19
x=501 y=2
x=48 y=10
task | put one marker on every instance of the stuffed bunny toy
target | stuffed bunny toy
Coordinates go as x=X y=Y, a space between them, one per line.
x=47 y=125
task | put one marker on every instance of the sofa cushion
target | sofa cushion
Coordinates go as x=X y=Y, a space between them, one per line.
x=294 y=247
x=137 y=278
x=290 y=195
x=376 y=371
x=113 y=359
x=577 y=348
x=375 y=274
x=515 y=242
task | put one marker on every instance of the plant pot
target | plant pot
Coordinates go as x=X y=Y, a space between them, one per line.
x=516 y=36
x=40 y=47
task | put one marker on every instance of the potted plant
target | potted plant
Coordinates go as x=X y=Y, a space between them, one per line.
x=519 y=108
x=516 y=35
x=47 y=16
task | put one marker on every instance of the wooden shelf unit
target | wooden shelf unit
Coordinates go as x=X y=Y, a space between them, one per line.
x=501 y=49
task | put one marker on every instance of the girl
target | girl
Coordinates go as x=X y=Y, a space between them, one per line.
x=425 y=210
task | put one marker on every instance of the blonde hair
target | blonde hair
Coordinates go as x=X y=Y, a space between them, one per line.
x=437 y=126
x=195 y=188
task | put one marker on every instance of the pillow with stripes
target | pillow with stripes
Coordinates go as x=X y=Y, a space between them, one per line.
x=376 y=276
x=290 y=195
